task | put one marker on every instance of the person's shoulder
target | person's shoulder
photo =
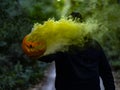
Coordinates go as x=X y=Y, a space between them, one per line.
x=91 y=44
x=95 y=44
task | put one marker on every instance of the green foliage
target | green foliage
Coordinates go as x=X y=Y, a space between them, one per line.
x=10 y=7
x=20 y=77
x=39 y=9
x=17 y=71
x=109 y=19
x=107 y=14
x=115 y=65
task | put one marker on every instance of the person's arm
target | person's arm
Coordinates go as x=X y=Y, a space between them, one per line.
x=50 y=57
x=106 y=72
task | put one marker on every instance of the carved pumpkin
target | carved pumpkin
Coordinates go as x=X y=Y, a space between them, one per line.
x=33 y=49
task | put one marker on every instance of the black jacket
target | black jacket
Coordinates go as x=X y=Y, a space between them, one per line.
x=80 y=68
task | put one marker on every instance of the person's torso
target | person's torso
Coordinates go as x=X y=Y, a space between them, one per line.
x=78 y=68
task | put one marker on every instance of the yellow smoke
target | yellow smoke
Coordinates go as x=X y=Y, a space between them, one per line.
x=58 y=35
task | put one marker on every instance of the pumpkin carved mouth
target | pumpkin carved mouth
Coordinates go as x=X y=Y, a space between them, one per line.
x=33 y=49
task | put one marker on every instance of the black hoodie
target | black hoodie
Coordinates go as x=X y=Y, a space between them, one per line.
x=80 y=68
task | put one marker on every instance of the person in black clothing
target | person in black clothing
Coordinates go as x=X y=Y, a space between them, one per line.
x=80 y=68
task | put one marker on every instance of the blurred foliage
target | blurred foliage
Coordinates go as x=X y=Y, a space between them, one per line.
x=107 y=14
x=18 y=72
x=116 y=65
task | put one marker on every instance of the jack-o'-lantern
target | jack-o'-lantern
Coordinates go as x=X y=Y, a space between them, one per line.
x=33 y=49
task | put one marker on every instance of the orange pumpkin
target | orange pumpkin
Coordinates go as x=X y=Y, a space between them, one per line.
x=33 y=49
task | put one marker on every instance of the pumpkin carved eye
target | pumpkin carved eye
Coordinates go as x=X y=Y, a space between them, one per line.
x=33 y=49
x=30 y=46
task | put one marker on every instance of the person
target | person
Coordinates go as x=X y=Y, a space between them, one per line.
x=80 y=68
